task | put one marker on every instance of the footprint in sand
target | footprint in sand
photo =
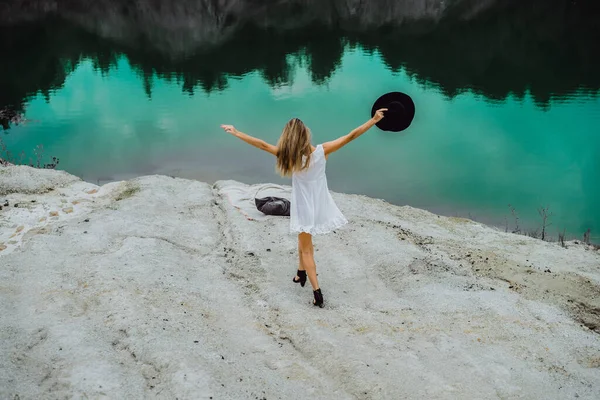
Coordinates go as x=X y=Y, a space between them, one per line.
x=17 y=231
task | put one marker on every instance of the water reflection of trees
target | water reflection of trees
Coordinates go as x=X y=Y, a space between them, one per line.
x=37 y=58
x=545 y=48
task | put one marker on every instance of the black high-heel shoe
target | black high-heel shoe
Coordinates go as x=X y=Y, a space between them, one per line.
x=318 y=298
x=302 y=276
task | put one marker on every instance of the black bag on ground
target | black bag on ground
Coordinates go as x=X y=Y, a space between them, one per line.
x=273 y=206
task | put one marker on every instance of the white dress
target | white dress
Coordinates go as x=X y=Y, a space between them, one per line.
x=312 y=207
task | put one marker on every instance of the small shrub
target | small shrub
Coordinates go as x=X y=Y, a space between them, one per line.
x=516 y=217
x=7 y=158
x=561 y=238
x=586 y=237
x=545 y=215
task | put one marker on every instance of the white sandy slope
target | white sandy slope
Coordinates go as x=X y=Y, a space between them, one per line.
x=158 y=288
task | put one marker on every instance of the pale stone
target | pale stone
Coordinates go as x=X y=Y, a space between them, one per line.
x=150 y=301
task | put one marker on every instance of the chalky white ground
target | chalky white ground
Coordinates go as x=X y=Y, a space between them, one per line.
x=159 y=288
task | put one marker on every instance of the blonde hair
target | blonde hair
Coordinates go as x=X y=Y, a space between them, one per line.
x=293 y=144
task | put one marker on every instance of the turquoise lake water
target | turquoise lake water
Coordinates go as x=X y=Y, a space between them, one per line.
x=464 y=155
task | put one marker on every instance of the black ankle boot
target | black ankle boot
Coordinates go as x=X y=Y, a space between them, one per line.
x=318 y=298
x=302 y=276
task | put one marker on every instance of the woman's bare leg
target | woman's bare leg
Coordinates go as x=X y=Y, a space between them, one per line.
x=300 y=261
x=307 y=259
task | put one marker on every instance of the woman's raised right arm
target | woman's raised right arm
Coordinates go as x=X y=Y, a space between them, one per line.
x=335 y=145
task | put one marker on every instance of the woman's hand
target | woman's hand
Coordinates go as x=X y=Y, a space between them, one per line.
x=379 y=114
x=229 y=129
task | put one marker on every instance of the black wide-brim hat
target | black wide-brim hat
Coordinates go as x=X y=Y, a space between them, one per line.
x=400 y=113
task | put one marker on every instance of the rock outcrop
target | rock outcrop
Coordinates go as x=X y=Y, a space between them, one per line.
x=159 y=287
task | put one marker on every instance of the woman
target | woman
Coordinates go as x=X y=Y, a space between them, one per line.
x=313 y=210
